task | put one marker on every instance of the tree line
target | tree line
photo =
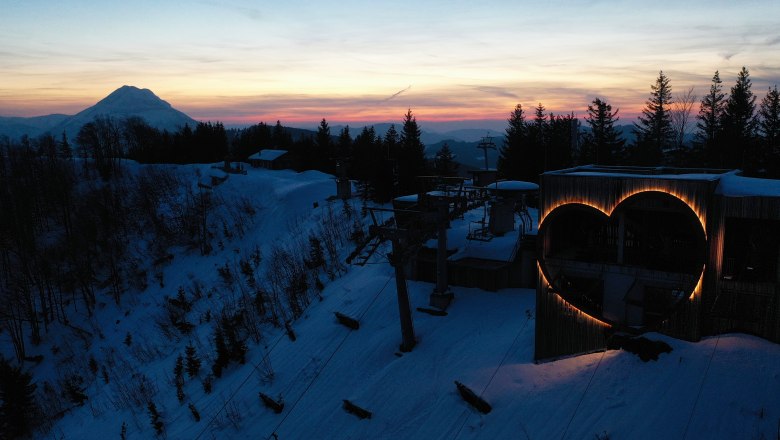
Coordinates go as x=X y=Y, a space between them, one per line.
x=730 y=132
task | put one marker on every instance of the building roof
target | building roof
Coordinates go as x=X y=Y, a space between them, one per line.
x=730 y=182
x=709 y=174
x=733 y=185
x=268 y=154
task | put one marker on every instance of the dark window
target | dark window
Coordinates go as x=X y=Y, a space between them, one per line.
x=750 y=250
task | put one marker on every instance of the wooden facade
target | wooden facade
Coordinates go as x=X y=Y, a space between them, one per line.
x=618 y=252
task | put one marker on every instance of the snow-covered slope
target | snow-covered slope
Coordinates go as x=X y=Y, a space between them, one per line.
x=721 y=387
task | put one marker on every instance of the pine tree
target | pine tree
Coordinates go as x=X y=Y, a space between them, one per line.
x=603 y=145
x=708 y=139
x=511 y=163
x=223 y=353
x=178 y=377
x=445 y=162
x=18 y=408
x=538 y=152
x=344 y=149
x=739 y=125
x=769 y=130
x=654 y=132
x=411 y=158
x=323 y=146
x=316 y=254
x=66 y=152
x=192 y=360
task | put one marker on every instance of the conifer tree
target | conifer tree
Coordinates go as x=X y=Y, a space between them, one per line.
x=445 y=162
x=18 y=409
x=739 y=124
x=344 y=149
x=323 y=145
x=538 y=153
x=603 y=145
x=192 y=360
x=769 y=130
x=708 y=139
x=411 y=158
x=654 y=132
x=511 y=163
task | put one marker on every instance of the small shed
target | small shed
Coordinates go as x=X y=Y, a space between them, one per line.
x=270 y=159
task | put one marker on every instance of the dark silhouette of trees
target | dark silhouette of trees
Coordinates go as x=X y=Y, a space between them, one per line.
x=769 y=131
x=537 y=152
x=739 y=125
x=511 y=161
x=444 y=162
x=19 y=412
x=708 y=143
x=101 y=141
x=250 y=140
x=654 y=131
x=560 y=140
x=603 y=145
x=209 y=143
x=411 y=156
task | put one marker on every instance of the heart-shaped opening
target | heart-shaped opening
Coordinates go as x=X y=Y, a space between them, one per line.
x=630 y=268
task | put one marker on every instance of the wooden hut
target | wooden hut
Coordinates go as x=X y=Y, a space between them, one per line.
x=687 y=252
x=270 y=159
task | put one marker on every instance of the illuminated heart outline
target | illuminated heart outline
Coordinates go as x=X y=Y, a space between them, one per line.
x=602 y=213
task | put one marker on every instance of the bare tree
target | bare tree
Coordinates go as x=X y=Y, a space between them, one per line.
x=681 y=115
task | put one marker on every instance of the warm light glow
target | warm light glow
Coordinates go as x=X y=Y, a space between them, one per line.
x=697 y=290
x=560 y=299
x=607 y=210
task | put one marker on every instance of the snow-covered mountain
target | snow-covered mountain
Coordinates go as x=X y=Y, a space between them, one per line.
x=121 y=103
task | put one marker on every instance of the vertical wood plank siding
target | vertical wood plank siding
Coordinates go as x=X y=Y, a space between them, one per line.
x=562 y=329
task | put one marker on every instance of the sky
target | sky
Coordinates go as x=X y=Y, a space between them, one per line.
x=355 y=61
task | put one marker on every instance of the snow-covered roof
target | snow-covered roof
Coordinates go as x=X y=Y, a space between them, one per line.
x=497 y=249
x=268 y=154
x=733 y=185
x=412 y=198
x=706 y=174
x=513 y=185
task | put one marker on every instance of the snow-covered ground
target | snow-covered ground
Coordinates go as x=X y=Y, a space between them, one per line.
x=722 y=387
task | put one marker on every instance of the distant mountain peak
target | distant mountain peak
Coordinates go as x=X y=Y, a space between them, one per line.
x=133 y=97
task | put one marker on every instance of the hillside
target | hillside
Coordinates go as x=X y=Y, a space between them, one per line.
x=723 y=387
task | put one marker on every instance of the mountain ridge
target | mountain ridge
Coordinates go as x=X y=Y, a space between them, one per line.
x=124 y=102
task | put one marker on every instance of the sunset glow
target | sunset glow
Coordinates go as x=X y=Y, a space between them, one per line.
x=349 y=61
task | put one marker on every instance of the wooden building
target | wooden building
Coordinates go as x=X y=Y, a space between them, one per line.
x=687 y=252
x=270 y=159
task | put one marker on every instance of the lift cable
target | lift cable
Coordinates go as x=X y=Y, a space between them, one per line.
x=317 y=375
x=582 y=398
x=495 y=372
x=701 y=387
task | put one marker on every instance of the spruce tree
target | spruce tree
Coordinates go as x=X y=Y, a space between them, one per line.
x=18 y=408
x=411 y=158
x=769 y=130
x=538 y=153
x=654 y=132
x=444 y=163
x=739 y=124
x=344 y=147
x=603 y=145
x=323 y=146
x=192 y=361
x=511 y=163
x=708 y=141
